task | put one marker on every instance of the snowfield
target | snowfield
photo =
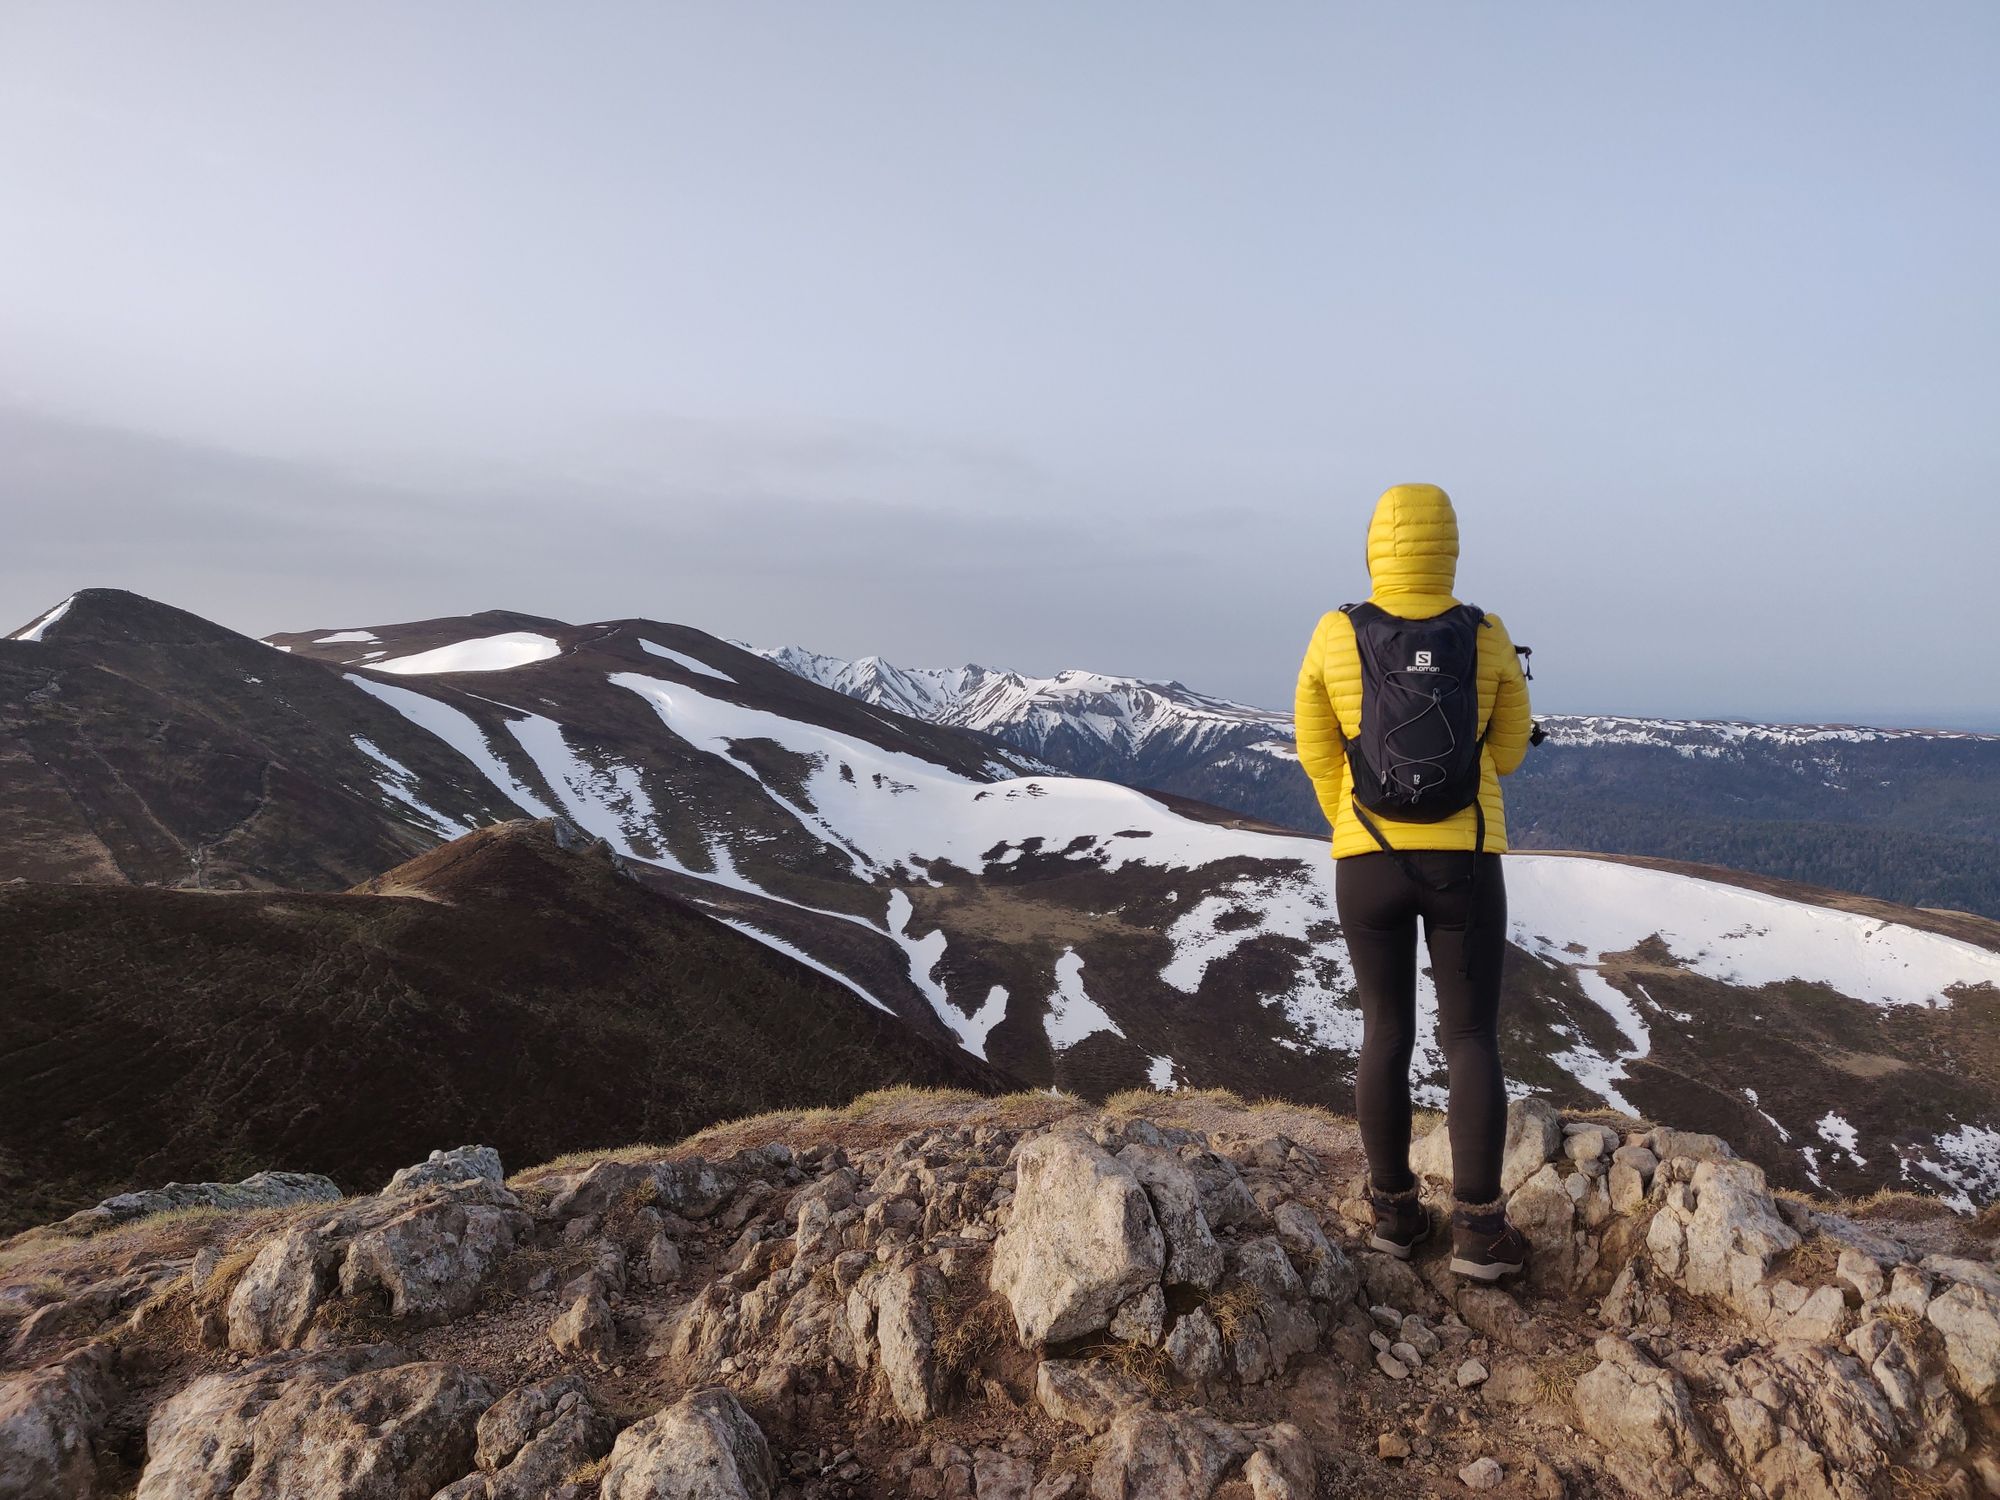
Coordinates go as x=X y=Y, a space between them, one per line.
x=487 y=653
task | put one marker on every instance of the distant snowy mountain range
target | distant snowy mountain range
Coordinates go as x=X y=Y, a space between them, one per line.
x=1910 y=815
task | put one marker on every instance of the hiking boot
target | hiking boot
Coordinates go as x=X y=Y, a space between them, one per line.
x=1484 y=1246
x=1401 y=1222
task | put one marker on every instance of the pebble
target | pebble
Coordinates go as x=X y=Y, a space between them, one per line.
x=1471 y=1373
x=1392 y=1445
x=1405 y=1354
x=1391 y=1366
x=1481 y=1474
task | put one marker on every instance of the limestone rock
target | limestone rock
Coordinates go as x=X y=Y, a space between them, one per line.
x=350 y=1424
x=1969 y=1318
x=1805 y=1419
x=1667 y=1144
x=1142 y=1319
x=1927 y=1416
x=1628 y=1188
x=1586 y=1143
x=1860 y=1272
x=1641 y=1412
x=1081 y=1239
x=1086 y=1393
x=259 y=1190
x=1430 y=1155
x=1282 y=1468
x=1194 y=1345
x=1481 y=1474
x=1639 y=1158
x=1328 y=1274
x=1471 y=1373
x=1545 y=1213
x=1225 y=1198
x=1282 y=1310
x=531 y=1440
x=460 y=1164
x=431 y=1259
x=584 y=1329
x=1001 y=1476
x=1152 y=1455
x=703 y=1447
x=50 y=1423
x=1721 y=1243
x=1821 y=1318
x=1534 y=1135
x=273 y=1301
x=1193 y=1257
x=905 y=1335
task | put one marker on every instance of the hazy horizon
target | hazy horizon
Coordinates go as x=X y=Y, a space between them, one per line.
x=1040 y=338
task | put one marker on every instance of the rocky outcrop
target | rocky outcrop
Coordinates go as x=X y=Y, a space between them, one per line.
x=1098 y=1306
x=703 y=1447
x=351 y=1424
x=461 y=1164
x=259 y=1190
x=531 y=1440
x=422 y=1254
x=51 y=1420
x=1643 y=1416
x=1081 y=1240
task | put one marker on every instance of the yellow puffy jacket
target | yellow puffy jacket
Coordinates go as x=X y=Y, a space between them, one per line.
x=1412 y=562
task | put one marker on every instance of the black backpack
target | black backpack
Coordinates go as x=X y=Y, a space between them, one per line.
x=1420 y=754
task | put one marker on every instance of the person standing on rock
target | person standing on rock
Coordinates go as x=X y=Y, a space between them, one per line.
x=1411 y=707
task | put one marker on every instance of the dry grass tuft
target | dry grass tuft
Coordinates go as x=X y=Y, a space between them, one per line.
x=1555 y=1379
x=1072 y=1458
x=1232 y=1308
x=1148 y=1368
x=1812 y=1263
x=590 y=1473
x=214 y=1292
x=1133 y=1101
x=1922 y=1484
x=971 y=1324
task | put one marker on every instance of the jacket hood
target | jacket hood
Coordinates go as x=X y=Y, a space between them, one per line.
x=1413 y=550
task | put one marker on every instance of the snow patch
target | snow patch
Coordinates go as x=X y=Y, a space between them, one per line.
x=1072 y=1014
x=40 y=628
x=462 y=733
x=486 y=653
x=346 y=637
x=1835 y=1130
x=792 y=951
x=687 y=661
x=1726 y=932
x=401 y=783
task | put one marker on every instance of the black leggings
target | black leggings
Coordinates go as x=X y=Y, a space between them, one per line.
x=1379 y=906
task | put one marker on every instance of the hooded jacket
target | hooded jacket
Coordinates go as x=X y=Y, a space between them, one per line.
x=1412 y=564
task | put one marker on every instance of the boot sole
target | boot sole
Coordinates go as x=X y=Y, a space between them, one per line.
x=1390 y=1247
x=1488 y=1271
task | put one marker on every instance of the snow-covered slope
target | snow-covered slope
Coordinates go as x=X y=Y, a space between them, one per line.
x=1081 y=933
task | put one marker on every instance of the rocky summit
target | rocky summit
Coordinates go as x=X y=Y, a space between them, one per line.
x=933 y=1294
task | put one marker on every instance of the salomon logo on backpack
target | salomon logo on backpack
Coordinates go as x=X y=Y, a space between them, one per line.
x=1420 y=753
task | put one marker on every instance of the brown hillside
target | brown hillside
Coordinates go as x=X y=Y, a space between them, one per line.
x=500 y=988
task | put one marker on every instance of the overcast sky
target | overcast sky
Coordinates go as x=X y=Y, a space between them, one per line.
x=1040 y=335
